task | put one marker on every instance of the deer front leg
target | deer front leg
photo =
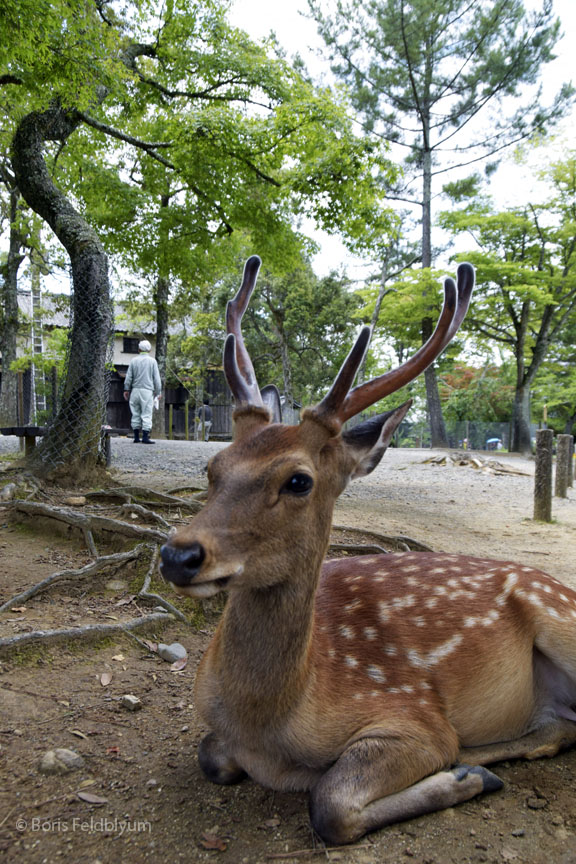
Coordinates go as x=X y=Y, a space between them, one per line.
x=215 y=762
x=378 y=782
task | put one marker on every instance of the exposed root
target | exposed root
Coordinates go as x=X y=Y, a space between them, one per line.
x=104 y=563
x=357 y=548
x=89 y=631
x=398 y=542
x=126 y=509
x=145 y=594
x=88 y=522
x=158 y=498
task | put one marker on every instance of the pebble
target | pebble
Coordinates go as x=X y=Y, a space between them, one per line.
x=8 y=492
x=75 y=501
x=171 y=653
x=60 y=761
x=130 y=702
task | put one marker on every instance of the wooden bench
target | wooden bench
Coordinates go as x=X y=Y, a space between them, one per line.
x=31 y=433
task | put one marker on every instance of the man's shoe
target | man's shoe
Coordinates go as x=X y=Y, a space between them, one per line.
x=146 y=437
x=136 y=436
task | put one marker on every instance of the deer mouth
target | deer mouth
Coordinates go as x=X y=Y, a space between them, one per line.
x=207 y=587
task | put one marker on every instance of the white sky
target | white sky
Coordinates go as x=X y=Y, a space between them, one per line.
x=298 y=34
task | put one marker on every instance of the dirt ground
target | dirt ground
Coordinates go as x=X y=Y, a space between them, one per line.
x=152 y=802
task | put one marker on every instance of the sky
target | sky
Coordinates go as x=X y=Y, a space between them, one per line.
x=298 y=34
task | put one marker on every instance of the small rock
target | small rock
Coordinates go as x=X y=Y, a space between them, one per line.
x=536 y=803
x=152 y=782
x=75 y=501
x=130 y=702
x=171 y=653
x=61 y=761
x=519 y=832
x=8 y=492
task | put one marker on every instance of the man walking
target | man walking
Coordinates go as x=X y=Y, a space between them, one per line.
x=142 y=384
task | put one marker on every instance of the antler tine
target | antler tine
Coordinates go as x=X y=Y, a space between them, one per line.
x=456 y=302
x=337 y=394
x=240 y=373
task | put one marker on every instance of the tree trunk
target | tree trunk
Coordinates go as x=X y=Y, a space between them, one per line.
x=521 y=438
x=161 y=301
x=9 y=333
x=72 y=446
x=438 y=436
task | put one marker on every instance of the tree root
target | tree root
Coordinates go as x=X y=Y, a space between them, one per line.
x=357 y=548
x=153 y=497
x=90 y=631
x=88 y=522
x=145 y=594
x=406 y=544
x=100 y=564
x=126 y=509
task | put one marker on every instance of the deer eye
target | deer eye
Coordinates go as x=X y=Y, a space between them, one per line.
x=298 y=484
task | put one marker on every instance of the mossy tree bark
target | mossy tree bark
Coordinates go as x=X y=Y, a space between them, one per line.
x=72 y=445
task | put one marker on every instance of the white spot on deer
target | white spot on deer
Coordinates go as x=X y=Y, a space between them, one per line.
x=376 y=673
x=548 y=589
x=432 y=658
x=370 y=633
x=431 y=602
x=346 y=632
x=453 y=583
x=564 y=598
x=535 y=599
x=375 y=693
x=392 y=690
x=412 y=568
x=553 y=613
x=423 y=702
x=438 y=570
x=407 y=688
x=419 y=621
x=424 y=685
x=352 y=662
x=331 y=653
x=537 y=585
x=440 y=590
x=358 y=696
x=404 y=601
x=455 y=569
x=470 y=622
x=391 y=650
x=383 y=611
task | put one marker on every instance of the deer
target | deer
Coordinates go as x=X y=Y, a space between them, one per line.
x=383 y=684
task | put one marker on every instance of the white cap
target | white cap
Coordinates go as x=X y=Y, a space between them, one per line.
x=144 y=345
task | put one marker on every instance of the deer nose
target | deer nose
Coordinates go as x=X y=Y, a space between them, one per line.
x=180 y=566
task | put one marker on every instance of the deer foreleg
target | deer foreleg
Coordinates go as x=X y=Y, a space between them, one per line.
x=546 y=741
x=216 y=763
x=377 y=782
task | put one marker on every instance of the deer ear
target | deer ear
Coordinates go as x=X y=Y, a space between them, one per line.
x=367 y=442
x=271 y=399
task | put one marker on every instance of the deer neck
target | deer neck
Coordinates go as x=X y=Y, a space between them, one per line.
x=262 y=648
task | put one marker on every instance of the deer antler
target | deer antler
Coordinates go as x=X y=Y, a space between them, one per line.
x=342 y=403
x=238 y=367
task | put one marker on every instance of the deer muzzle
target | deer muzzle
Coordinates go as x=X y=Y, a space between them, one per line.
x=181 y=565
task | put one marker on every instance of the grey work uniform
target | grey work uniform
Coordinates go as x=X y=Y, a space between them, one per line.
x=143 y=382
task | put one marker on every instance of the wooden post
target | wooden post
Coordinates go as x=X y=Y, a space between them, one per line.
x=186 y=420
x=571 y=465
x=170 y=421
x=543 y=476
x=563 y=464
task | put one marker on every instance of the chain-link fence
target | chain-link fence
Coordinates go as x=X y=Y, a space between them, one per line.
x=74 y=402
